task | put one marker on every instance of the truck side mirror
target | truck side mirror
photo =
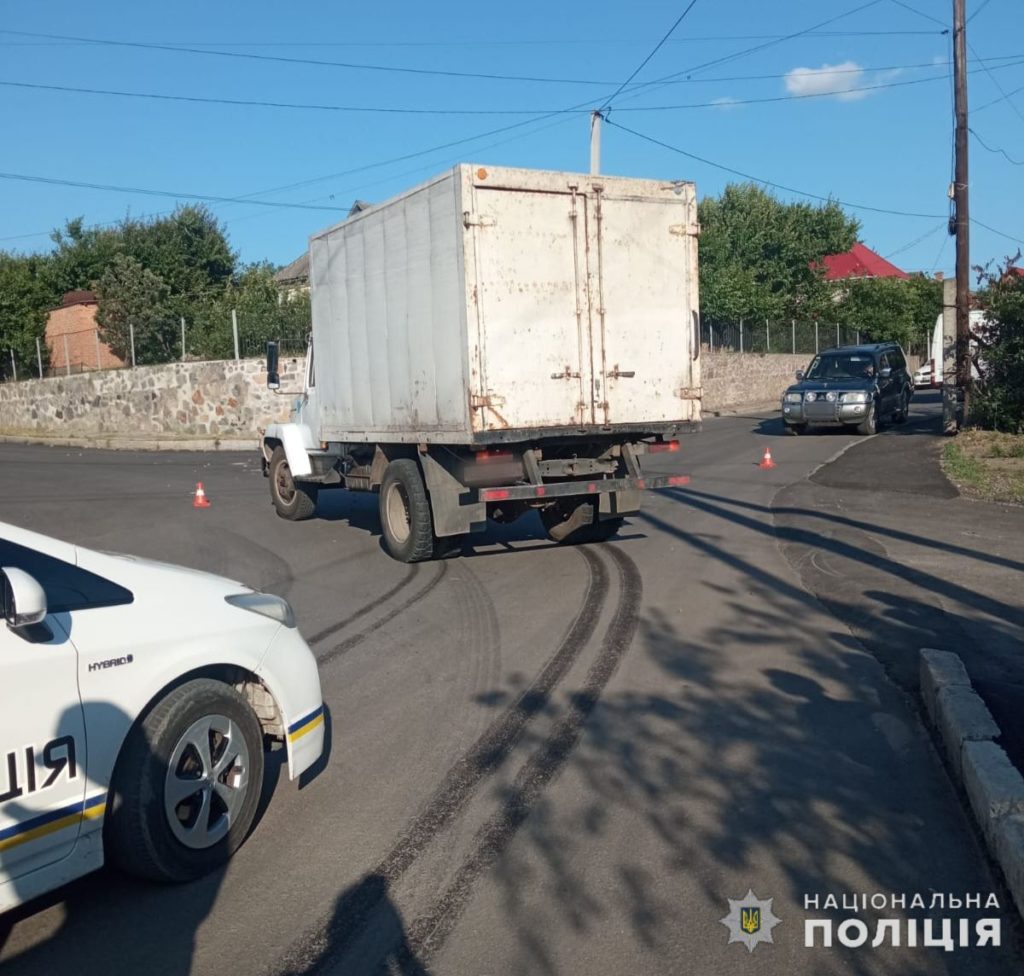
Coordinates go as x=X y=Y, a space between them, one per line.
x=885 y=372
x=799 y=375
x=24 y=600
x=273 y=378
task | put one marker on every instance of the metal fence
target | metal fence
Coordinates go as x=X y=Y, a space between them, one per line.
x=765 y=336
x=86 y=351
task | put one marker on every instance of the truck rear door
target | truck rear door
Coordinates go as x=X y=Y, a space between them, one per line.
x=643 y=256
x=532 y=309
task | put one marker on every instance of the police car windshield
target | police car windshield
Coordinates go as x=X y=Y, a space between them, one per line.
x=841 y=366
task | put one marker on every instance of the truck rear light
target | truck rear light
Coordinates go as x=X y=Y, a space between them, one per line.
x=540 y=491
x=492 y=456
x=662 y=446
x=679 y=479
x=494 y=494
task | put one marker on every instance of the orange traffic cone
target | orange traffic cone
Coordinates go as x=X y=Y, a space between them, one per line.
x=200 y=500
x=766 y=461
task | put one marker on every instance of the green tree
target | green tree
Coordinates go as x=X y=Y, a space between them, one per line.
x=189 y=250
x=263 y=313
x=134 y=299
x=81 y=255
x=25 y=297
x=998 y=401
x=760 y=258
x=891 y=308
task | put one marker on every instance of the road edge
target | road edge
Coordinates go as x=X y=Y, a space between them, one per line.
x=967 y=732
x=114 y=442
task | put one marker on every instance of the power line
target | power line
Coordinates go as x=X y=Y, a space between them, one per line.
x=550 y=42
x=311 y=106
x=736 y=55
x=778 y=186
x=245 y=55
x=920 y=13
x=1001 y=98
x=157 y=193
x=791 y=98
x=1003 y=152
x=984 y=4
x=657 y=47
x=1000 y=233
x=917 y=240
x=995 y=82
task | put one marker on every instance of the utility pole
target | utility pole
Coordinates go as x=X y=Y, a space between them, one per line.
x=962 y=213
x=595 y=143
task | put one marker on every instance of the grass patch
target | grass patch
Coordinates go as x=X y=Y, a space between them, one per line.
x=987 y=464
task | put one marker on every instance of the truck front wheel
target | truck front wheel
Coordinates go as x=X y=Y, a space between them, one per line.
x=572 y=521
x=405 y=516
x=291 y=501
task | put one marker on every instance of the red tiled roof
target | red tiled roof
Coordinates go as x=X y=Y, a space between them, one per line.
x=859 y=262
x=1019 y=272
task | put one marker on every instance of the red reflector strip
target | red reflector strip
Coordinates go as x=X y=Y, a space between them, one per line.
x=591 y=487
x=540 y=491
x=640 y=483
x=663 y=446
x=494 y=494
x=491 y=455
x=679 y=479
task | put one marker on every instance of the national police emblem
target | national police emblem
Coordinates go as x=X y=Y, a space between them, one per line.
x=750 y=920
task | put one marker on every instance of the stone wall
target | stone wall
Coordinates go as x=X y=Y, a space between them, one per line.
x=733 y=380
x=212 y=404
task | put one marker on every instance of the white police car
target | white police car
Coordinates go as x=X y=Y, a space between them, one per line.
x=136 y=700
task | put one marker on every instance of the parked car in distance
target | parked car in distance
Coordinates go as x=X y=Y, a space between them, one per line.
x=853 y=386
x=138 y=698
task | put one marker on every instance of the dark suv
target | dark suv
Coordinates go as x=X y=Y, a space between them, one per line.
x=855 y=386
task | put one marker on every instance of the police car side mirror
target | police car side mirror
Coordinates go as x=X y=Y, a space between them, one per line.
x=24 y=600
x=799 y=375
x=885 y=373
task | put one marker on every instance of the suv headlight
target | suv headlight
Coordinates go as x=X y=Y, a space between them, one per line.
x=858 y=397
x=266 y=605
x=811 y=397
x=793 y=397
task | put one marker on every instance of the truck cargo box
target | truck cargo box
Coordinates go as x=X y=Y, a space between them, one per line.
x=495 y=304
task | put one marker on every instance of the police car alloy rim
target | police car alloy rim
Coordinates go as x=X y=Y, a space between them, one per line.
x=207 y=781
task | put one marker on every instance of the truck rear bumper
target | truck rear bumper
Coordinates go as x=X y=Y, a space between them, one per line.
x=595 y=487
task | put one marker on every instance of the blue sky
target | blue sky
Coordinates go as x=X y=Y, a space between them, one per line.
x=882 y=138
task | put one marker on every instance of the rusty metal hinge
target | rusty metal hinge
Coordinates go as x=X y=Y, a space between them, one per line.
x=616 y=374
x=490 y=400
x=690 y=393
x=477 y=220
x=685 y=230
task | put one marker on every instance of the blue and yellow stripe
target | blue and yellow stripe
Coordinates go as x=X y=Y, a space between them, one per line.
x=71 y=815
x=306 y=724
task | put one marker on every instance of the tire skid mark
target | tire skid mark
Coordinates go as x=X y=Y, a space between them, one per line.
x=428 y=932
x=410 y=575
x=316 y=951
x=349 y=642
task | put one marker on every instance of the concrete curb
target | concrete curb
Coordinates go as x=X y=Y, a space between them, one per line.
x=994 y=786
x=116 y=442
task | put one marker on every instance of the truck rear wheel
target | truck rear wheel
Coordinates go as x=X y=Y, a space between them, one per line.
x=405 y=516
x=292 y=501
x=571 y=521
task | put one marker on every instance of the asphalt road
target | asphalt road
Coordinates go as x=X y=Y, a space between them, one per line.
x=543 y=759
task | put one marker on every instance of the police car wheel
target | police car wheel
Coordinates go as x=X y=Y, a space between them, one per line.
x=187 y=784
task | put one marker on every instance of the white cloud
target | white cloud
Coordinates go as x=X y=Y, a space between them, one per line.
x=837 y=79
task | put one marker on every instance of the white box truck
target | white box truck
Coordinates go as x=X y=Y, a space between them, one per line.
x=493 y=341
